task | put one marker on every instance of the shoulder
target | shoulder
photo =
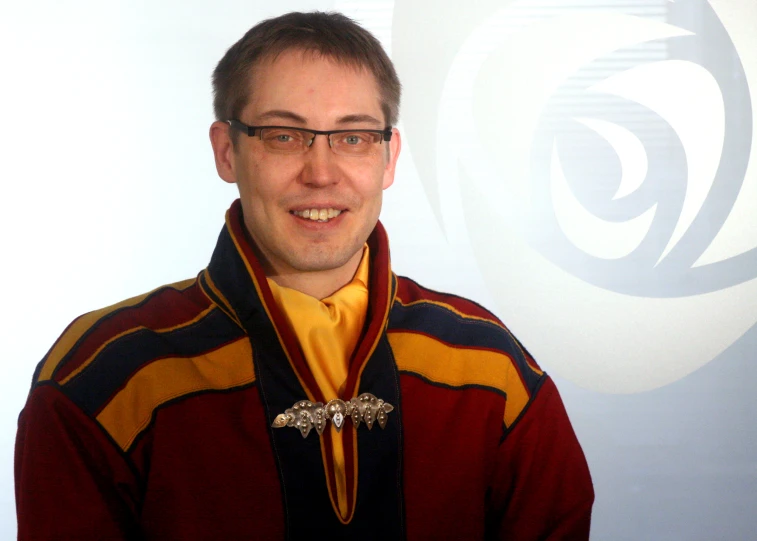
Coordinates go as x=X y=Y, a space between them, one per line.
x=413 y=298
x=101 y=331
x=103 y=348
x=118 y=364
x=453 y=341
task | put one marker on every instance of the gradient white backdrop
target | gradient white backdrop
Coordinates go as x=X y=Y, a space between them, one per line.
x=109 y=190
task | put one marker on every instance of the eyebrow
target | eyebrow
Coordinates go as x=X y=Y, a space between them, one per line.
x=287 y=115
x=347 y=119
x=357 y=119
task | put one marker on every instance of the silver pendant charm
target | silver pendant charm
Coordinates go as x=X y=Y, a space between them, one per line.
x=305 y=415
x=335 y=410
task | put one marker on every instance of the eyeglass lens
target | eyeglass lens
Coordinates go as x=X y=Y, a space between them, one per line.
x=294 y=141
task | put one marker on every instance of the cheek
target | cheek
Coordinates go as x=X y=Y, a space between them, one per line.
x=267 y=177
x=371 y=176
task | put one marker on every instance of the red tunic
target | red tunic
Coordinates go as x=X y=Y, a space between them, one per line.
x=152 y=419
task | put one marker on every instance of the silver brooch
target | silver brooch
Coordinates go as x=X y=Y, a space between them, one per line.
x=305 y=415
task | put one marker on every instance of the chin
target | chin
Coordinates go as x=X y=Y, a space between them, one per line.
x=323 y=259
x=318 y=264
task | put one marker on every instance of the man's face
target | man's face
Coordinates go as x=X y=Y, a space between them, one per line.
x=307 y=91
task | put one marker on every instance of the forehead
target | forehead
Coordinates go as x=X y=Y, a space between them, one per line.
x=315 y=87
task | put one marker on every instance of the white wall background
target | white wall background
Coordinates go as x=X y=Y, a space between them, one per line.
x=109 y=190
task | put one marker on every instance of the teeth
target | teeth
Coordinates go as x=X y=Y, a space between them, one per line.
x=318 y=215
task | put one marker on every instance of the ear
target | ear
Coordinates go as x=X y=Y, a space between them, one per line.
x=395 y=144
x=223 y=151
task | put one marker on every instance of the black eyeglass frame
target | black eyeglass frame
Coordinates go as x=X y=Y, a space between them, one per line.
x=386 y=133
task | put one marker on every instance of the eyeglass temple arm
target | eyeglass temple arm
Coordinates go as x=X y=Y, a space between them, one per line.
x=249 y=130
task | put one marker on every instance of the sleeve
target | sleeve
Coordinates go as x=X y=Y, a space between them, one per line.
x=541 y=488
x=72 y=482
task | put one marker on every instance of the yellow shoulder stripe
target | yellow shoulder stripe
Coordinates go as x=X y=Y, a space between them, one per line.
x=457 y=367
x=131 y=409
x=454 y=310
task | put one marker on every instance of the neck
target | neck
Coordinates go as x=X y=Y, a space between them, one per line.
x=318 y=284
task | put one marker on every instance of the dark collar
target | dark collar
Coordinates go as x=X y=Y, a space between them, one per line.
x=235 y=281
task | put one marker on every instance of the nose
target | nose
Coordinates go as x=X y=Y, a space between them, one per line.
x=320 y=164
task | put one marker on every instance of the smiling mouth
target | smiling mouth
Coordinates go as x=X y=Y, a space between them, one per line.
x=317 y=215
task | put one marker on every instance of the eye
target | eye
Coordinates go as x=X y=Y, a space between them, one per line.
x=283 y=139
x=355 y=143
x=356 y=139
x=279 y=135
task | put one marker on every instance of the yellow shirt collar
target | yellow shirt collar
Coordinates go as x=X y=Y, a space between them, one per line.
x=328 y=329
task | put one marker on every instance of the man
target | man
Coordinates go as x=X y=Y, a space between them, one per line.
x=297 y=388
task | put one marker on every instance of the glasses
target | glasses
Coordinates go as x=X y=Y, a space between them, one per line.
x=288 y=140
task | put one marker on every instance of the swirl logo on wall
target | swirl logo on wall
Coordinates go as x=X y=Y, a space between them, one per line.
x=596 y=156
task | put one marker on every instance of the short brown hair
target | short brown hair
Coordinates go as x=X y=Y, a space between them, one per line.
x=330 y=35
